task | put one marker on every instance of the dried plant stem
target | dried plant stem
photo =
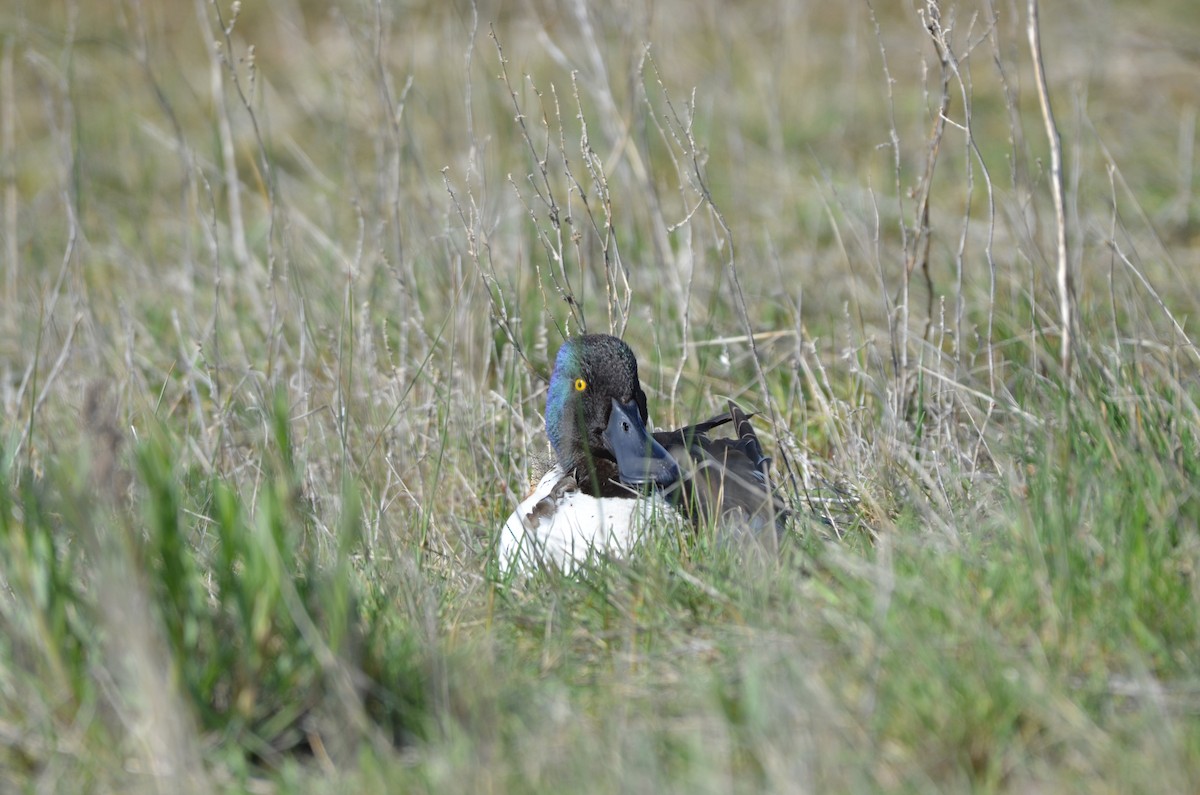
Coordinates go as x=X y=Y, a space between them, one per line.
x=1065 y=285
x=898 y=314
x=237 y=226
x=918 y=255
x=681 y=130
x=543 y=189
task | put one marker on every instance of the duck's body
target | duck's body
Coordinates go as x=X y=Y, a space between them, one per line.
x=560 y=525
x=614 y=480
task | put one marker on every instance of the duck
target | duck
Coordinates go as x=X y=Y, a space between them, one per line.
x=613 y=478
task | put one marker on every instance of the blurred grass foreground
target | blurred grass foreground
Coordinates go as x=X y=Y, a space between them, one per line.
x=281 y=286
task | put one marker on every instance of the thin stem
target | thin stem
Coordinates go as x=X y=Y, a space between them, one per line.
x=1065 y=286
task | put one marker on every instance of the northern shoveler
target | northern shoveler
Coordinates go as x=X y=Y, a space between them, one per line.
x=613 y=477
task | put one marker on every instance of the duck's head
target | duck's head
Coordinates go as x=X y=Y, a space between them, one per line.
x=596 y=414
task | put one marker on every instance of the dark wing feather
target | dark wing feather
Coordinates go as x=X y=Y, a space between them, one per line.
x=723 y=480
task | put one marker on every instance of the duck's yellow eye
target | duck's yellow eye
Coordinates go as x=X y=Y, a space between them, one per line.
x=580 y=385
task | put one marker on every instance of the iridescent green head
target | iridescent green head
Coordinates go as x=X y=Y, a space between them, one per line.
x=596 y=413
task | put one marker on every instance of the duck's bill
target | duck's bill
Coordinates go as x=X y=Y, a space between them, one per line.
x=640 y=459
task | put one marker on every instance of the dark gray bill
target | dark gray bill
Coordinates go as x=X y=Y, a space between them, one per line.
x=640 y=459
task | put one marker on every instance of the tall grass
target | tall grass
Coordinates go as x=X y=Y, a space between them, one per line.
x=282 y=286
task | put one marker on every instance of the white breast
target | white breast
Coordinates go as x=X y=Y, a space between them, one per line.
x=576 y=526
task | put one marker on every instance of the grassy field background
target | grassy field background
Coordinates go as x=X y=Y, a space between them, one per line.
x=281 y=287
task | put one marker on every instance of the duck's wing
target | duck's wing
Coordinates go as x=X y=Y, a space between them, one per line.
x=724 y=481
